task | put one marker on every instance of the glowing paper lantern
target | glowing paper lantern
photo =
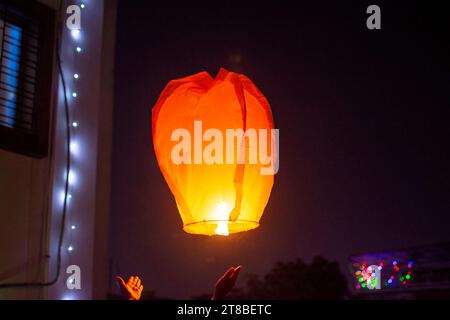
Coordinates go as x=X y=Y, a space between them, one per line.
x=217 y=148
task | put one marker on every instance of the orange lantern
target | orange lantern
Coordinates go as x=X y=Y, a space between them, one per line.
x=217 y=148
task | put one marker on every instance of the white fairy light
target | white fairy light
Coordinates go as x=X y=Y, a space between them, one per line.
x=72 y=177
x=74 y=148
x=75 y=34
x=62 y=196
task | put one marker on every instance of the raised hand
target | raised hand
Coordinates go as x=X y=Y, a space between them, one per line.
x=132 y=289
x=226 y=283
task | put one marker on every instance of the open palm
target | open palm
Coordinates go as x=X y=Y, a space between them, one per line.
x=132 y=289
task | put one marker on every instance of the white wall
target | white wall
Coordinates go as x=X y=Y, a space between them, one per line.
x=23 y=194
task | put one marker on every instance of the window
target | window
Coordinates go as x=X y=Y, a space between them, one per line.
x=26 y=59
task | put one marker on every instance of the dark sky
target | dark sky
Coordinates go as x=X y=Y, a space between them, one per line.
x=364 y=133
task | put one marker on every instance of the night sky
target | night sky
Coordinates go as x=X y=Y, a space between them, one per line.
x=364 y=133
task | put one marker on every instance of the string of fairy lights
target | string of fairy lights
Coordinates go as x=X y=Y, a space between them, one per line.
x=395 y=273
x=76 y=35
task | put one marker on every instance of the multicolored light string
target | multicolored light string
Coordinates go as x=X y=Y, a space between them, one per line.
x=390 y=277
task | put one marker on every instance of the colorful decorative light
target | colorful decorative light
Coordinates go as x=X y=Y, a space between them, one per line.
x=367 y=275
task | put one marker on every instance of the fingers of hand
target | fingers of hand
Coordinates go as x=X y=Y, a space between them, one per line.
x=135 y=284
x=236 y=271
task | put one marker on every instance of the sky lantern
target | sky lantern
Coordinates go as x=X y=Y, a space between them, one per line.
x=217 y=148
